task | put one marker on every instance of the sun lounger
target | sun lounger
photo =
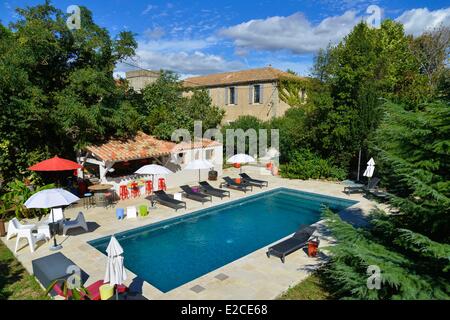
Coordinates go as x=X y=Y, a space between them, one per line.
x=163 y=198
x=286 y=247
x=79 y=222
x=215 y=192
x=196 y=196
x=372 y=185
x=254 y=182
x=230 y=183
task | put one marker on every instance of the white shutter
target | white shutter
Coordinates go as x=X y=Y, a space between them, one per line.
x=250 y=94
x=236 y=97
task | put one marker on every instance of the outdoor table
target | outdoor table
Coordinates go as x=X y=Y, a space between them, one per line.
x=98 y=189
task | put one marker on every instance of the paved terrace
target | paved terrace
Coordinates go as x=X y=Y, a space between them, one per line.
x=251 y=277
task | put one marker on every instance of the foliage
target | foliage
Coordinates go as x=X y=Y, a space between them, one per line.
x=292 y=91
x=413 y=151
x=306 y=165
x=412 y=248
x=432 y=50
x=367 y=66
x=57 y=87
x=405 y=274
x=13 y=200
x=73 y=294
x=166 y=109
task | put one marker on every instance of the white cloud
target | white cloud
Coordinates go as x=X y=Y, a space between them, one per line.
x=155 y=33
x=294 y=33
x=416 y=21
x=149 y=8
x=182 y=56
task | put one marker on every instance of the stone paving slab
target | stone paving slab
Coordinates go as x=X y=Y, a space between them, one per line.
x=251 y=277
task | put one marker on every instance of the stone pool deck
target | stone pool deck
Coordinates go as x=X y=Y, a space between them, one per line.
x=251 y=277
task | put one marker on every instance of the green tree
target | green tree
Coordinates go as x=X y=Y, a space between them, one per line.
x=57 y=87
x=167 y=109
x=412 y=248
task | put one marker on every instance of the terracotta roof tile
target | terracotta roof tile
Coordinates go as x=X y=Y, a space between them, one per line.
x=142 y=146
x=245 y=76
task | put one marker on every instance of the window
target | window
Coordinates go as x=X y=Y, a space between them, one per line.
x=233 y=95
x=257 y=93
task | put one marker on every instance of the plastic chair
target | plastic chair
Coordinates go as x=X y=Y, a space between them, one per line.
x=31 y=237
x=124 y=194
x=148 y=187
x=79 y=222
x=162 y=184
x=120 y=213
x=143 y=211
x=131 y=213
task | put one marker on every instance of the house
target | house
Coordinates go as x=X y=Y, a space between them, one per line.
x=139 y=79
x=253 y=92
x=114 y=162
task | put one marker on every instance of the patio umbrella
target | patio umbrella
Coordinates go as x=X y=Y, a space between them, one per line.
x=199 y=165
x=152 y=170
x=370 y=169
x=49 y=199
x=115 y=270
x=55 y=164
x=241 y=158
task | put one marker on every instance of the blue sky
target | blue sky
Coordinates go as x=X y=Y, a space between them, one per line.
x=200 y=37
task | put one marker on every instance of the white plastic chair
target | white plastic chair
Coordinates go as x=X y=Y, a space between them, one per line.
x=14 y=226
x=131 y=213
x=31 y=237
x=79 y=222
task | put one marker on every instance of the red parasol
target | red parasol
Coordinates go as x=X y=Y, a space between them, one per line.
x=55 y=164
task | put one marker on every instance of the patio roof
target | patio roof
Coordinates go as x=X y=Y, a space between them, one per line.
x=142 y=146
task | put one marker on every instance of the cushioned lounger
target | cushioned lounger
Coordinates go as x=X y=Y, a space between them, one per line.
x=163 y=198
x=254 y=182
x=286 y=247
x=196 y=196
x=230 y=183
x=209 y=189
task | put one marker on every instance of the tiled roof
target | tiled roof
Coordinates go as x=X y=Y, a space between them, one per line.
x=245 y=76
x=204 y=143
x=142 y=146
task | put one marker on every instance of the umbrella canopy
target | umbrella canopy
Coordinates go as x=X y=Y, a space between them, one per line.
x=55 y=164
x=241 y=158
x=270 y=154
x=370 y=169
x=51 y=198
x=115 y=270
x=153 y=169
x=199 y=165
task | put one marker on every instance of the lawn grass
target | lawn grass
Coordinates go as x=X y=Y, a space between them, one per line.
x=15 y=282
x=311 y=288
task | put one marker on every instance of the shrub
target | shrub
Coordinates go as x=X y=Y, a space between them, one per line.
x=306 y=165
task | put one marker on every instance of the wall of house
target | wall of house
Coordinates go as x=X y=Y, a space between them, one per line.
x=271 y=106
x=139 y=79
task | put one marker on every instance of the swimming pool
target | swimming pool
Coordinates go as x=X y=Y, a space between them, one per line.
x=171 y=253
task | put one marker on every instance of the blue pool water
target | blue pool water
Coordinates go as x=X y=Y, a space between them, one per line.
x=173 y=252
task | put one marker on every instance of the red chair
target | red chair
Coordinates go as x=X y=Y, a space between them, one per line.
x=148 y=187
x=135 y=190
x=124 y=194
x=162 y=184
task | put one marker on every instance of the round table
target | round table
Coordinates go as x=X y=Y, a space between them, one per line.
x=98 y=189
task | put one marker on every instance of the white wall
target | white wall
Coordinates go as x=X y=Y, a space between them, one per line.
x=180 y=177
